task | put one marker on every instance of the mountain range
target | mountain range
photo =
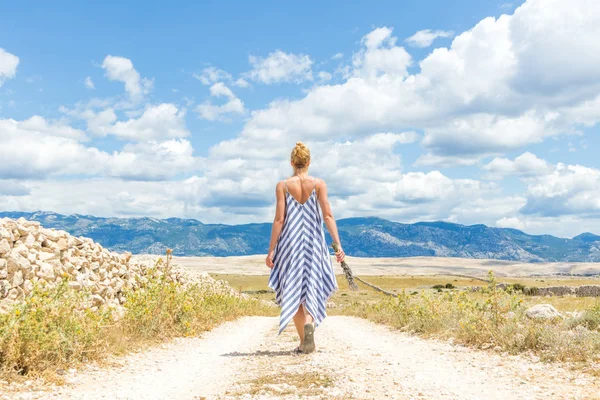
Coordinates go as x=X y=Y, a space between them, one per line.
x=361 y=237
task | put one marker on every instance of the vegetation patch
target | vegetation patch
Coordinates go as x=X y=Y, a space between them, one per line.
x=491 y=318
x=50 y=331
x=446 y=286
x=288 y=383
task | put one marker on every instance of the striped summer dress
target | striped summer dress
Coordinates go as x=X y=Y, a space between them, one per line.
x=302 y=272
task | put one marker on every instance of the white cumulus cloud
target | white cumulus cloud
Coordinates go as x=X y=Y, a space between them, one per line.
x=279 y=66
x=8 y=65
x=157 y=122
x=121 y=69
x=324 y=76
x=526 y=165
x=212 y=112
x=41 y=149
x=426 y=37
x=210 y=75
x=89 y=83
x=568 y=190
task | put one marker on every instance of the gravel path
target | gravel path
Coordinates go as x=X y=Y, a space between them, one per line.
x=355 y=359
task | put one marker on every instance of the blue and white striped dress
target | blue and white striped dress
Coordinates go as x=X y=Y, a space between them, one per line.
x=303 y=273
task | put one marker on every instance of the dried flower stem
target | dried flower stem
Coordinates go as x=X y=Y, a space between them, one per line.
x=346 y=268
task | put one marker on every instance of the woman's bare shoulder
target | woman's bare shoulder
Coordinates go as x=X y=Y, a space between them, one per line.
x=320 y=182
x=280 y=186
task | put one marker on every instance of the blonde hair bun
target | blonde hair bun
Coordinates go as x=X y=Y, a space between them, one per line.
x=300 y=155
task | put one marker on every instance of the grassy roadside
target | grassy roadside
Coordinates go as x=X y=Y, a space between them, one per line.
x=50 y=331
x=491 y=318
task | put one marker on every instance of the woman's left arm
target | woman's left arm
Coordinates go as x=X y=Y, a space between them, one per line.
x=277 y=222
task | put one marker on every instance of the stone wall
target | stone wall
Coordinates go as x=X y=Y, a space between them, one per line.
x=579 y=291
x=32 y=255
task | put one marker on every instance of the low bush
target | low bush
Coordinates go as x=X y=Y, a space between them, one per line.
x=56 y=328
x=446 y=286
x=490 y=318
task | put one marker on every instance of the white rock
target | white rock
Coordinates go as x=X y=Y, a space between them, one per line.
x=75 y=285
x=17 y=279
x=16 y=262
x=51 y=234
x=13 y=294
x=4 y=246
x=21 y=249
x=46 y=271
x=10 y=225
x=32 y=256
x=97 y=300
x=27 y=286
x=62 y=244
x=46 y=256
x=34 y=225
x=21 y=226
x=29 y=240
x=6 y=234
x=543 y=311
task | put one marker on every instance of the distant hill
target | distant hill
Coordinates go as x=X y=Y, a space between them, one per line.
x=363 y=237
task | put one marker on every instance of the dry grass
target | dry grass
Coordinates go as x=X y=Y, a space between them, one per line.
x=346 y=297
x=50 y=330
x=493 y=318
x=287 y=383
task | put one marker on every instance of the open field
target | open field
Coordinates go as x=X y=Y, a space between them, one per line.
x=412 y=284
x=255 y=265
x=412 y=274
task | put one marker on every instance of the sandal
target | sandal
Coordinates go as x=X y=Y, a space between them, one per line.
x=298 y=350
x=309 y=338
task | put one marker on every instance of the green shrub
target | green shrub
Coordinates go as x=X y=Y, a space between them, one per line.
x=491 y=317
x=530 y=291
x=446 y=286
x=50 y=329
x=517 y=287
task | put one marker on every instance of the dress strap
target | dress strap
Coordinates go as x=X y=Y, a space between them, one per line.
x=285 y=185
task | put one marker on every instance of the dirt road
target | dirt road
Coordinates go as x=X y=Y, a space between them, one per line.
x=355 y=359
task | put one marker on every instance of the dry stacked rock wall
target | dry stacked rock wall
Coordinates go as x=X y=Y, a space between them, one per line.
x=32 y=255
x=580 y=291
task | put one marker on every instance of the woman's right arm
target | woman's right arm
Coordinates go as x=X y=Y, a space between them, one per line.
x=328 y=218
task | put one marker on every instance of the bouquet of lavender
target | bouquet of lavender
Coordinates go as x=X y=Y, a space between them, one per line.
x=347 y=270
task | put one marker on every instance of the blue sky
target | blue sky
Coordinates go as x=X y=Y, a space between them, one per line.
x=470 y=112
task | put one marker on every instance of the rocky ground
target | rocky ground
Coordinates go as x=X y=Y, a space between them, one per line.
x=355 y=359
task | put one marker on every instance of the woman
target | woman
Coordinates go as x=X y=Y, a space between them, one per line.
x=301 y=271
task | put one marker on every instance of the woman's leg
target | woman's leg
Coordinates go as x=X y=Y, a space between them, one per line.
x=309 y=332
x=299 y=318
x=308 y=319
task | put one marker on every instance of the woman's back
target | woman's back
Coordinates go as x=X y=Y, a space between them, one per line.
x=301 y=188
